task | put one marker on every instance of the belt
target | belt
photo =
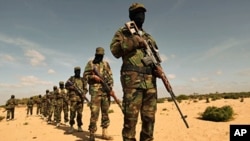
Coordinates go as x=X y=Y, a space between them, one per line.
x=144 y=70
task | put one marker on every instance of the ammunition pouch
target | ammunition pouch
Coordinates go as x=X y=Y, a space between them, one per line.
x=144 y=70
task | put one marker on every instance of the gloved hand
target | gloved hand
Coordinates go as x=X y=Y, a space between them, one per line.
x=138 y=41
x=96 y=78
x=71 y=87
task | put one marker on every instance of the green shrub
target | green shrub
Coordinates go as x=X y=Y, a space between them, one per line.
x=160 y=100
x=25 y=123
x=164 y=109
x=111 y=111
x=213 y=113
x=182 y=97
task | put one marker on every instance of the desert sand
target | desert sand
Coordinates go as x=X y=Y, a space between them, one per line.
x=168 y=127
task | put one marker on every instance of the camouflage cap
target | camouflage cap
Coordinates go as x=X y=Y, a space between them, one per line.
x=77 y=68
x=135 y=6
x=54 y=87
x=61 y=83
x=99 y=50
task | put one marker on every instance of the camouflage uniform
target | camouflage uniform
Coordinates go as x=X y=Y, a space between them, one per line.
x=39 y=105
x=99 y=98
x=76 y=102
x=61 y=103
x=45 y=104
x=138 y=83
x=51 y=104
x=10 y=107
x=30 y=104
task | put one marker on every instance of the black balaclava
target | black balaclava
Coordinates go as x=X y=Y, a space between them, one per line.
x=138 y=16
x=98 y=58
x=61 y=86
x=77 y=73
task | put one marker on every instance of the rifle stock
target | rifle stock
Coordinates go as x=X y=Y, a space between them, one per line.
x=108 y=89
x=153 y=59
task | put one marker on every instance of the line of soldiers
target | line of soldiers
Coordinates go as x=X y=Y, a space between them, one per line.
x=70 y=98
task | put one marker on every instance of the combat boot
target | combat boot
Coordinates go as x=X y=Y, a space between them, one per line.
x=91 y=136
x=71 y=130
x=105 y=134
x=80 y=129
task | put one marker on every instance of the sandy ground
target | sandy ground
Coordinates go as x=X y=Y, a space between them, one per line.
x=169 y=125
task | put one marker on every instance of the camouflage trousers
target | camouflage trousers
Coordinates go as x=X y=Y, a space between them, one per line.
x=39 y=109
x=50 y=111
x=10 y=113
x=61 y=106
x=99 y=103
x=58 y=111
x=137 y=101
x=76 y=109
x=66 y=112
x=30 y=110
x=44 y=110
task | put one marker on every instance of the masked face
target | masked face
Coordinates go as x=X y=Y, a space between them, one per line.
x=77 y=73
x=61 y=86
x=138 y=17
x=98 y=59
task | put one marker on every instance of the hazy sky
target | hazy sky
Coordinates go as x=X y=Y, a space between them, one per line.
x=205 y=44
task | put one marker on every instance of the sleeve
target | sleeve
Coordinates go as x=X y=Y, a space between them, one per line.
x=110 y=74
x=122 y=43
x=84 y=87
x=88 y=74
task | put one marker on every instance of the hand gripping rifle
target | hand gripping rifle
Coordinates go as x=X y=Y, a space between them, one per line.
x=79 y=92
x=153 y=58
x=107 y=88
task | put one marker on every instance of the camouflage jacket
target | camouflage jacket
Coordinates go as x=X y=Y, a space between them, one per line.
x=62 y=95
x=81 y=84
x=134 y=74
x=38 y=101
x=30 y=103
x=11 y=103
x=105 y=71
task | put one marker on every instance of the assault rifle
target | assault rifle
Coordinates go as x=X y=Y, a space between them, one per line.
x=79 y=92
x=107 y=88
x=152 y=58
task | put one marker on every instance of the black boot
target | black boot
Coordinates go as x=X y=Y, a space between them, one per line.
x=91 y=136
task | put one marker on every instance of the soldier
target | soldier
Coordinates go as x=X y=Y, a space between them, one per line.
x=100 y=100
x=45 y=105
x=61 y=104
x=39 y=105
x=51 y=104
x=76 y=98
x=138 y=80
x=10 y=107
x=30 y=104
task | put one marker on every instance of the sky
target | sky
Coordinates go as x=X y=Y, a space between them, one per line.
x=204 y=44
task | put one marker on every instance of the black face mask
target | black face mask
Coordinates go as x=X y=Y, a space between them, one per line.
x=98 y=59
x=77 y=73
x=138 y=17
x=61 y=86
